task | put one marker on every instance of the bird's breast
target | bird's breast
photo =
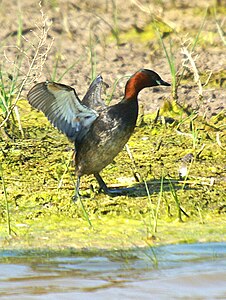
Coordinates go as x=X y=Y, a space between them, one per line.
x=105 y=139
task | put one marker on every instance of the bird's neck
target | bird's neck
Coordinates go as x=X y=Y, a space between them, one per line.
x=134 y=86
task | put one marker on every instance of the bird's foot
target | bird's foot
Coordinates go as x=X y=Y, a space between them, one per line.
x=76 y=195
x=117 y=191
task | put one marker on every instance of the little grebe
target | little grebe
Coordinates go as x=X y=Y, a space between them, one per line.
x=99 y=132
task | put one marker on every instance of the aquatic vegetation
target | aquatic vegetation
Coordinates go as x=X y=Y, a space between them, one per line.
x=39 y=209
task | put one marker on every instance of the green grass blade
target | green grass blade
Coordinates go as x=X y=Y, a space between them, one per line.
x=158 y=205
x=6 y=202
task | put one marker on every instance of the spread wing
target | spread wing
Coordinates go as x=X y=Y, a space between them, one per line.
x=62 y=107
x=92 y=98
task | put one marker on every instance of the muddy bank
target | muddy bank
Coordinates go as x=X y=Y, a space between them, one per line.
x=39 y=181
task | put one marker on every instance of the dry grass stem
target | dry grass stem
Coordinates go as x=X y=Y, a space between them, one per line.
x=189 y=60
x=35 y=62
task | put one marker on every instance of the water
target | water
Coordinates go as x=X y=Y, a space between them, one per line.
x=196 y=271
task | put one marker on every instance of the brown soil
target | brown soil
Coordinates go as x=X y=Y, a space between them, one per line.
x=77 y=24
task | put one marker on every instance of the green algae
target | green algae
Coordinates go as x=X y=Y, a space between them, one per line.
x=145 y=34
x=43 y=215
x=157 y=27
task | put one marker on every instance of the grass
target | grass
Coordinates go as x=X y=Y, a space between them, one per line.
x=12 y=85
x=116 y=82
x=158 y=206
x=112 y=24
x=171 y=61
x=176 y=199
x=8 y=89
x=35 y=201
x=170 y=57
x=6 y=202
x=58 y=76
x=93 y=58
x=221 y=32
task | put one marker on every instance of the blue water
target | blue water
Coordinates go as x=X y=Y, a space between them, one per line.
x=195 y=271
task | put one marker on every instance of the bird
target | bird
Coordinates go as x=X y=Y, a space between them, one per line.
x=99 y=132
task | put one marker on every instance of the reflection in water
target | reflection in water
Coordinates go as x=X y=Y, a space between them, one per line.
x=196 y=271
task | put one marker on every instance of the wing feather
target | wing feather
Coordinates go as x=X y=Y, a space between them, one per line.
x=62 y=107
x=92 y=97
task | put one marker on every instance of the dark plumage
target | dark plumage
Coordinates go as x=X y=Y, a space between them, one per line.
x=98 y=131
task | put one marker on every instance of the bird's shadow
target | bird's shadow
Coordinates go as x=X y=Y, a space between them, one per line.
x=142 y=189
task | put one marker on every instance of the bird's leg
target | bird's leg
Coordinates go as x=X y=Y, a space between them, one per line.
x=101 y=182
x=114 y=191
x=76 y=195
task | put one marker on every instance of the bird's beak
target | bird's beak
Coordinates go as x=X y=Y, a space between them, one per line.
x=162 y=82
